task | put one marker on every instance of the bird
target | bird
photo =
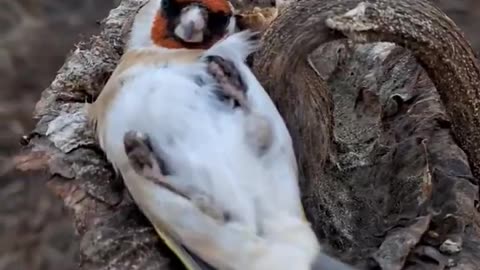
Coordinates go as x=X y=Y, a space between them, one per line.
x=230 y=178
x=222 y=189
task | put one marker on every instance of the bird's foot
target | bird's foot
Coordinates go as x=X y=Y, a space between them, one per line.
x=232 y=86
x=204 y=228
x=143 y=160
x=259 y=131
x=147 y=164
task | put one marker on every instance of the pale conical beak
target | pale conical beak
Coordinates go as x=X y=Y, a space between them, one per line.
x=188 y=30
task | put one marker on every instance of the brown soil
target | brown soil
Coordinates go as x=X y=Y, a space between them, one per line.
x=35 y=37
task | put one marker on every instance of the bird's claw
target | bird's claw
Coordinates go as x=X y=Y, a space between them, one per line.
x=188 y=214
x=145 y=163
x=232 y=86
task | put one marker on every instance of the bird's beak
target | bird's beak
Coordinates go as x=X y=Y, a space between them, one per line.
x=189 y=30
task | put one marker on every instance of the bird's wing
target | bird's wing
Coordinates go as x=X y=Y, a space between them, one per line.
x=187 y=258
x=176 y=206
x=178 y=218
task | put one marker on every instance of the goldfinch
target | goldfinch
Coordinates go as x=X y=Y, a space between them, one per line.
x=226 y=182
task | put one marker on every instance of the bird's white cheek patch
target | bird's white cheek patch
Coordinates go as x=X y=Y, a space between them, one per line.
x=193 y=15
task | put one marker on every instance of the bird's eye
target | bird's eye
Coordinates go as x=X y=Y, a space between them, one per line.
x=170 y=8
x=219 y=18
x=217 y=22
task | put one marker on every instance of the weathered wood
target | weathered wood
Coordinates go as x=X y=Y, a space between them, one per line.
x=408 y=135
x=383 y=180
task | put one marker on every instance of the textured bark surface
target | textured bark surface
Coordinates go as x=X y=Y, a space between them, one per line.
x=394 y=177
x=383 y=181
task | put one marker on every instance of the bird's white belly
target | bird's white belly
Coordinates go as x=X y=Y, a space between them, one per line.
x=200 y=138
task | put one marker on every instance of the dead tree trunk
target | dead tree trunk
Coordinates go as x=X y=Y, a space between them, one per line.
x=383 y=180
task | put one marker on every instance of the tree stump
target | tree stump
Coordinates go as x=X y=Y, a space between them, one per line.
x=383 y=181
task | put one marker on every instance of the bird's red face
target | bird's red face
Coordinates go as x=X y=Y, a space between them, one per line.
x=192 y=24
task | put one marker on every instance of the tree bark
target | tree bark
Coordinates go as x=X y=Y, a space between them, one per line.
x=384 y=182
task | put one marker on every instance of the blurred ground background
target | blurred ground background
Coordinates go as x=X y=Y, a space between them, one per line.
x=35 y=36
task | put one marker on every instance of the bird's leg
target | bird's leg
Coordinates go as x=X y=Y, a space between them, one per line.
x=217 y=243
x=229 y=79
x=258 y=133
x=258 y=129
x=143 y=160
x=145 y=163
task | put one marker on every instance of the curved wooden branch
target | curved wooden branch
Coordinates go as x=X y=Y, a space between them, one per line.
x=434 y=39
x=304 y=101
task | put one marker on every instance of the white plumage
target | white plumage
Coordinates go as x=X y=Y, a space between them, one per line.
x=142 y=25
